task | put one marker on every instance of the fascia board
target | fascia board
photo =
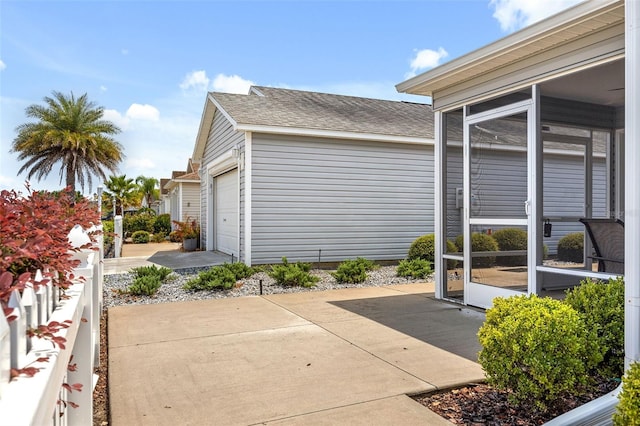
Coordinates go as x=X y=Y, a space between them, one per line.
x=210 y=107
x=206 y=121
x=186 y=180
x=333 y=134
x=219 y=107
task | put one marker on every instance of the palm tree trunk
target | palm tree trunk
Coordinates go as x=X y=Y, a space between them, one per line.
x=71 y=177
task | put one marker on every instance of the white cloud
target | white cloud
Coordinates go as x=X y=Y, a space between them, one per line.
x=196 y=80
x=515 y=14
x=103 y=89
x=143 y=112
x=136 y=112
x=231 y=84
x=2 y=65
x=116 y=118
x=426 y=59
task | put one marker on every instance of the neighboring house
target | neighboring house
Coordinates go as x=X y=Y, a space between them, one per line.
x=183 y=194
x=165 y=200
x=559 y=84
x=313 y=176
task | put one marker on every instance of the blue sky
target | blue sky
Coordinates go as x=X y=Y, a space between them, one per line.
x=150 y=63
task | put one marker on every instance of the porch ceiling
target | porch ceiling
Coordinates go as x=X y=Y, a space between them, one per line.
x=575 y=23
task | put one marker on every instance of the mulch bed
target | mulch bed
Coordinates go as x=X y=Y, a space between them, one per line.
x=480 y=404
x=101 y=391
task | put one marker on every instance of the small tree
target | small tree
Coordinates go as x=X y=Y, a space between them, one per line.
x=122 y=188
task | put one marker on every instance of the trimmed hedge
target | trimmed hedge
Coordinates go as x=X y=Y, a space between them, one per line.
x=511 y=239
x=628 y=409
x=571 y=247
x=140 y=237
x=537 y=348
x=480 y=242
x=602 y=308
x=423 y=247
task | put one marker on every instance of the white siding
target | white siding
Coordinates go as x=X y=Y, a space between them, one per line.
x=221 y=139
x=190 y=201
x=346 y=198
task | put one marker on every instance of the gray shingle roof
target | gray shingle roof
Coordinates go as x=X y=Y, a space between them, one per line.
x=322 y=111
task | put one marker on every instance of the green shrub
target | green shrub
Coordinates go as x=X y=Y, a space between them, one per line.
x=353 y=271
x=107 y=231
x=140 y=237
x=221 y=277
x=628 y=409
x=239 y=270
x=423 y=247
x=138 y=222
x=536 y=348
x=293 y=274
x=216 y=278
x=159 y=237
x=602 y=308
x=146 y=285
x=414 y=268
x=480 y=242
x=162 y=224
x=571 y=247
x=142 y=271
x=511 y=239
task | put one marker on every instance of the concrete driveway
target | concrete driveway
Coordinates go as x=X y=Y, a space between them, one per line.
x=335 y=357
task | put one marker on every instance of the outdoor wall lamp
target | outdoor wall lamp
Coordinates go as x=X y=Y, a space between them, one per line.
x=547 y=228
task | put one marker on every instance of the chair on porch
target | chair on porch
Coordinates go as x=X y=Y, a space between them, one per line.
x=607 y=237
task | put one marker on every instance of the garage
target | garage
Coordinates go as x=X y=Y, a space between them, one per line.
x=226 y=212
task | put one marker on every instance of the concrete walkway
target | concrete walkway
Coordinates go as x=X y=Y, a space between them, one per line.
x=162 y=254
x=336 y=357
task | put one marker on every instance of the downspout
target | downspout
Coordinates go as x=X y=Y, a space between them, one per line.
x=600 y=411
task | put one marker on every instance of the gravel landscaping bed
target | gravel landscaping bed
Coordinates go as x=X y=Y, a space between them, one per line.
x=171 y=291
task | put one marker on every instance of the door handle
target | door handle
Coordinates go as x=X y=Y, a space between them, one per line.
x=527 y=207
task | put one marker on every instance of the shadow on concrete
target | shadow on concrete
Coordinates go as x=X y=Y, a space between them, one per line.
x=447 y=326
x=193 y=259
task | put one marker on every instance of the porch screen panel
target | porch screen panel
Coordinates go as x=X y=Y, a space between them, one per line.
x=498 y=193
x=498 y=169
x=453 y=287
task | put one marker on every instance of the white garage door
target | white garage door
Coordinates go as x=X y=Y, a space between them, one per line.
x=226 y=212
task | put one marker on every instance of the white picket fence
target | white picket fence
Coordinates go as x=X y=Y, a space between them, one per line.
x=41 y=399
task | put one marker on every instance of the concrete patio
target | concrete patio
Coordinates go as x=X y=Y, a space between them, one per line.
x=346 y=356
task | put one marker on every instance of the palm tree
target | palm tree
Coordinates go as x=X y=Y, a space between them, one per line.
x=123 y=189
x=69 y=132
x=147 y=187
